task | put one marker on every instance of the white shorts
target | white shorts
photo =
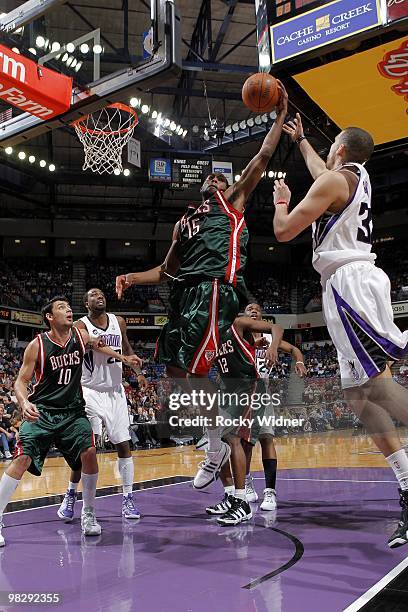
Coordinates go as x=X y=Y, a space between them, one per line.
x=110 y=408
x=359 y=317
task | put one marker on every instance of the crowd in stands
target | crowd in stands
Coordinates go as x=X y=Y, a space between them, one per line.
x=392 y=257
x=272 y=292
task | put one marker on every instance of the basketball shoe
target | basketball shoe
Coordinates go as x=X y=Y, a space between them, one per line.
x=209 y=469
x=400 y=535
x=240 y=511
x=129 y=510
x=251 y=494
x=269 y=500
x=202 y=444
x=89 y=525
x=66 y=509
x=222 y=507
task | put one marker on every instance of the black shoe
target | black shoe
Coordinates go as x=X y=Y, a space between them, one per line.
x=222 y=507
x=400 y=535
x=240 y=511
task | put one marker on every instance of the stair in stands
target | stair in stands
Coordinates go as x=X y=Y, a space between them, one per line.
x=79 y=285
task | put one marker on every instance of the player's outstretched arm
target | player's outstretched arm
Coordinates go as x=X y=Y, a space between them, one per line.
x=314 y=162
x=330 y=188
x=25 y=376
x=96 y=344
x=297 y=356
x=128 y=351
x=248 y=324
x=252 y=174
x=154 y=276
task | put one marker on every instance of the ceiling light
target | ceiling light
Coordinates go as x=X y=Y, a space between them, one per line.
x=184 y=134
x=116 y=172
x=31 y=159
x=84 y=48
x=43 y=163
x=15 y=50
x=74 y=63
x=42 y=241
x=235 y=127
x=195 y=129
x=72 y=242
x=55 y=46
x=17 y=241
x=154 y=114
x=127 y=243
x=40 y=41
x=65 y=57
x=237 y=177
x=173 y=126
x=206 y=136
x=258 y=120
x=272 y=115
x=21 y=155
x=271 y=174
x=126 y=172
x=145 y=109
x=97 y=49
x=78 y=67
x=51 y=167
x=228 y=129
x=271 y=248
x=9 y=150
x=70 y=47
x=265 y=118
x=250 y=122
x=70 y=60
x=280 y=175
x=134 y=102
x=243 y=125
x=32 y=51
x=166 y=123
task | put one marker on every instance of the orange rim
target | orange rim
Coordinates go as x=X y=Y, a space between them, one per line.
x=79 y=123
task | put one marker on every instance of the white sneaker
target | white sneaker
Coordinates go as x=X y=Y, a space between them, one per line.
x=209 y=469
x=251 y=494
x=8 y=455
x=269 y=500
x=89 y=525
x=2 y=540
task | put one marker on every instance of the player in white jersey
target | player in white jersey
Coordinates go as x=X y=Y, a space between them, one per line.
x=105 y=397
x=356 y=294
x=267 y=432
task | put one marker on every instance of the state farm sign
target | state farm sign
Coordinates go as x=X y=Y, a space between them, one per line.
x=396 y=9
x=33 y=88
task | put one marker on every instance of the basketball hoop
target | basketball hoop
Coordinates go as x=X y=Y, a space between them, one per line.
x=104 y=134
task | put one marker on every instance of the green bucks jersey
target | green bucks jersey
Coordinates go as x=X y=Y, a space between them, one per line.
x=213 y=241
x=235 y=357
x=58 y=372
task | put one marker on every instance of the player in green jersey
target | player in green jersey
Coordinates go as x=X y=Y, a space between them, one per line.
x=54 y=412
x=243 y=388
x=206 y=262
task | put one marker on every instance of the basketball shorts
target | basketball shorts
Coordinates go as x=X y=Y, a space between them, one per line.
x=190 y=340
x=69 y=430
x=109 y=408
x=253 y=413
x=359 y=317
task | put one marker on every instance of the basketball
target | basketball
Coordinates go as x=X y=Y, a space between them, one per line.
x=260 y=92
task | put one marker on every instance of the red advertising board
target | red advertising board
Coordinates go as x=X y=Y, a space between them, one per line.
x=31 y=87
x=396 y=9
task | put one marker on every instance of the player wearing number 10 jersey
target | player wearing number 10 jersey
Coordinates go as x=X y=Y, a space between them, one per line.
x=356 y=294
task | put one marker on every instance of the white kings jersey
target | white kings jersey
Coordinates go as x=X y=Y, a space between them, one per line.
x=100 y=372
x=344 y=237
x=263 y=369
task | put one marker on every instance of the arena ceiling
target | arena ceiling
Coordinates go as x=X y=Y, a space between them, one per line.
x=219 y=52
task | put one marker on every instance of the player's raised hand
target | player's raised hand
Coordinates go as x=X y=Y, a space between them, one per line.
x=282 y=105
x=30 y=412
x=294 y=128
x=271 y=355
x=121 y=285
x=281 y=192
x=300 y=369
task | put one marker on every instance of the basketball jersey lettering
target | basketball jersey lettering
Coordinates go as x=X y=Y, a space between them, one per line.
x=364 y=232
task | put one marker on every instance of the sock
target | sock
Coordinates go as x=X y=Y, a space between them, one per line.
x=214 y=439
x=229 y=490
x=72 y=486
x=7 y=487
x=399 y=464
x=248 y=477
x=240 y=494
x=127 y=471
x=89 y=489
x=269 y=466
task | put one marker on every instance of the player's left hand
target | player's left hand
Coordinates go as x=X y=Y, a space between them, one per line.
x=142 y=382
x=100 y=342
x=281 y=191
x=282 y=105
x=261 y=343
x=300 y=369
x=133 y=361
x=271 y=356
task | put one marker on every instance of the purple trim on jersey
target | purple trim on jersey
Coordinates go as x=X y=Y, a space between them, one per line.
x=365 y=360
x=337 y=216
x=389 y=347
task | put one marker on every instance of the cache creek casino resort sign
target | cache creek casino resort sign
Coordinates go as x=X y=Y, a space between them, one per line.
x=322 y=26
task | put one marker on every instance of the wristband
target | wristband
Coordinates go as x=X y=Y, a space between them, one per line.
x=299 y=140
x=282 y=202
x=302 y=362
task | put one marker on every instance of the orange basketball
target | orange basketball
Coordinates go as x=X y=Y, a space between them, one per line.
x=260 y=92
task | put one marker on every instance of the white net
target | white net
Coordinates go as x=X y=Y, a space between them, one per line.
x=103 y=135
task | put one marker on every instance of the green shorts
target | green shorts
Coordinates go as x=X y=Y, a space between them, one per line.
x=69 y=430
x=199 y=316
x=248 y=409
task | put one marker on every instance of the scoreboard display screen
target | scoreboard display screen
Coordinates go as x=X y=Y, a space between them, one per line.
x=284 y=9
